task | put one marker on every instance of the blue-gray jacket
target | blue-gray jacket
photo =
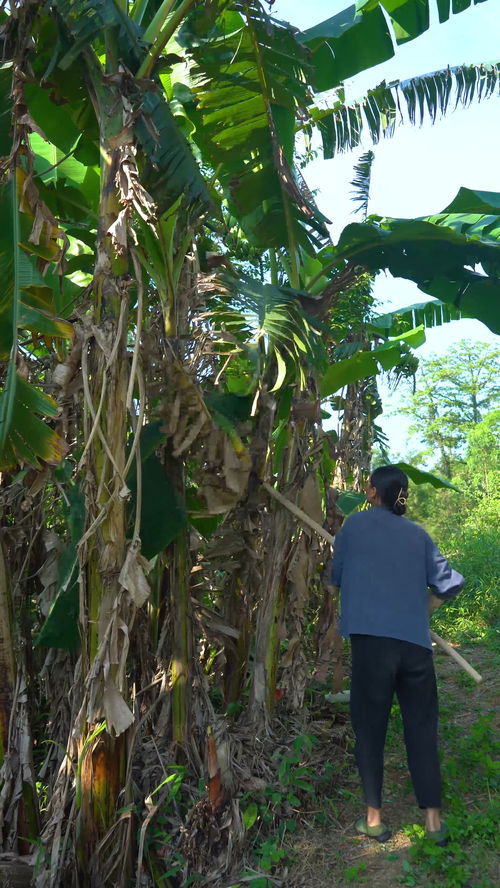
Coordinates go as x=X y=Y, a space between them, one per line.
x=384 y=565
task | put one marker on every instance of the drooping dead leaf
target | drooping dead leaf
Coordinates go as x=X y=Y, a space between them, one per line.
x=118 y=232
x=116 y=712
x=236 y=467
x=132 y=575
x=217 y=498
x=190 y=435
x=310 y=499
x=49 y=573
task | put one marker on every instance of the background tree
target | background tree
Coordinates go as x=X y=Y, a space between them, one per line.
x=451 y=396
x=465 y=525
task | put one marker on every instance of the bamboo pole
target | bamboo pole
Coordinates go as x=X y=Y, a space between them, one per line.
x=304 y=517
x=457 y=657
x=299 y=513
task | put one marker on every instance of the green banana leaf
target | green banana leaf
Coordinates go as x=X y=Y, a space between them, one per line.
x=350 y=500
x=170 y=169
x=25 y=302
x=483 y=203
x=25 y=298
x=420 y=476
x=254 y=312
x=362 y=35
x=24 y=437
x=432 y=313
x=250 y=74
x=436 y=256
x=163 y=516
x=363 y=364
x=60 y=628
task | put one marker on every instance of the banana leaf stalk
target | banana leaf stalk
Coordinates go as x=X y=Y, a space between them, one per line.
x=181 y=640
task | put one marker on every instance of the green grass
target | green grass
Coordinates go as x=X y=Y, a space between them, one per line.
x=471 y=778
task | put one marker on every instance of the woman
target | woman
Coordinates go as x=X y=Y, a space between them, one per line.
x=384 y=565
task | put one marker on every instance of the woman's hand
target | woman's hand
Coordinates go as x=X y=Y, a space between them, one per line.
x=434 y=602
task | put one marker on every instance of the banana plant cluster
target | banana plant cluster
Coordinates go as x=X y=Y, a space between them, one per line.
x=172 y=314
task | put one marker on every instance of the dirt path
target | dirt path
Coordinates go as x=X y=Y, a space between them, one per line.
x=334 y=856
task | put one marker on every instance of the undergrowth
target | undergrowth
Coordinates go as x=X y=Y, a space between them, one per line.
x=312 y=786
x=298 y=793
x=305 y=794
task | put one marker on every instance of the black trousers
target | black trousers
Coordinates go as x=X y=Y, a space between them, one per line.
x=381 y=666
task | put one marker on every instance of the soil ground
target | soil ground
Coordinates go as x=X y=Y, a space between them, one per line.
x=335 y=856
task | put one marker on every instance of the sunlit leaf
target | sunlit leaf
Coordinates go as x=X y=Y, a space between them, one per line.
x=24 y=437
x=420 y=476
x=281 y=375
x=440 y=259
x=250 y=75
x=362 y=35
x=363 y=364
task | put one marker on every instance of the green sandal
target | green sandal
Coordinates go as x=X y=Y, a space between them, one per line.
x=380 y=833
x=438 y=836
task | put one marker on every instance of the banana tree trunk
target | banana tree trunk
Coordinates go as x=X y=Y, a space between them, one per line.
x=278 y=546
x=19 y=815
x=329 y=642
x=243 y=587
x=267 y=634
x=355 y=444
x=237 y=615
x=102 y=756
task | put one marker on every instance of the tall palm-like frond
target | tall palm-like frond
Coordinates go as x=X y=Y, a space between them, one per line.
x=429 y=314
x=361 y=182
x=251 y=76
x=343 y=126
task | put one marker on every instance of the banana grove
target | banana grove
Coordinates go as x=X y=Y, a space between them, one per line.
x=172 y=314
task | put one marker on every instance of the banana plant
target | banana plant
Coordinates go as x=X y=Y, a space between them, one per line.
x=90 y=146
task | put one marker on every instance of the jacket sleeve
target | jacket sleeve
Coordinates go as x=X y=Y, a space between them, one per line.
x=338 y=558
x=442 y=579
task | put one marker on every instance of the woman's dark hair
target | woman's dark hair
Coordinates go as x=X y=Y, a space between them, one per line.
x=391 y=485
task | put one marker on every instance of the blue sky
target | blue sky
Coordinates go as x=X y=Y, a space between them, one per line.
x=420 y=170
